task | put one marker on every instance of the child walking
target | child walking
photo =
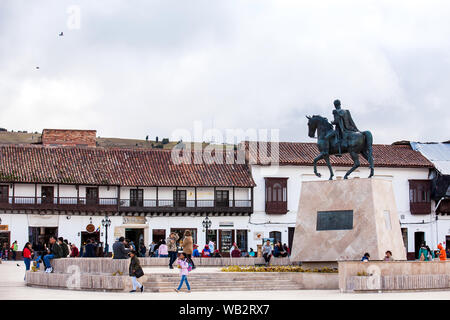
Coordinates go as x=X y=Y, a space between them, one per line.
x=135 y=271
x=184 y=271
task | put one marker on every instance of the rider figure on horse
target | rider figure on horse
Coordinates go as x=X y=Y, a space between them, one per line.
x=344 y=125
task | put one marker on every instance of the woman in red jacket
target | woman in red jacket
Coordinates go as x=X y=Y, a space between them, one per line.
x=26 y=253
x=74 y=251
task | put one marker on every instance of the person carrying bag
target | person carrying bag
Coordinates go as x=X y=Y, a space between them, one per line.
x=135 y=271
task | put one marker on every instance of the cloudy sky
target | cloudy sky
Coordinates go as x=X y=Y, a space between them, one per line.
x=137 y=68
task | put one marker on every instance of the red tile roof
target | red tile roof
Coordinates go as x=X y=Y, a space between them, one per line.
x=104 y=166
x=302 y=153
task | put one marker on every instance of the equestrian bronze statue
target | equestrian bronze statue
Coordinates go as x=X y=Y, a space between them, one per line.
x=345 y=138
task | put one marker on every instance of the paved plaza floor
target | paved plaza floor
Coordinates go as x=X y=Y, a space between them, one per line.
x=12 y=286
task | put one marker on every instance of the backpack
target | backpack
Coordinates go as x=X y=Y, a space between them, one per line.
x=189 y=268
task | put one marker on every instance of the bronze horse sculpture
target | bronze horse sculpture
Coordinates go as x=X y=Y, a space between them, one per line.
x=355 y=143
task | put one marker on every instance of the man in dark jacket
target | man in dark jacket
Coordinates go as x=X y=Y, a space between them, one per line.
x=119 y=250
x=65 y=249
x=89 y=250
x=55 y=253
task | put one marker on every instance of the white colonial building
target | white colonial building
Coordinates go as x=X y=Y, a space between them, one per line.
x=67 y=185
x=67 y=189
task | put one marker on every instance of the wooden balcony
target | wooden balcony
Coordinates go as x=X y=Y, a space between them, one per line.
x=420 y=207
x=188 y=206
x=276 y=207
x=59 y=204
x=115 y=205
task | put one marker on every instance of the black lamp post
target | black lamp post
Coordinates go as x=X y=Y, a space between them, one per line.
x=106 y=223
x=206 y=225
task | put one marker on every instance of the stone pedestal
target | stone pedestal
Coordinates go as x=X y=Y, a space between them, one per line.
x=343 y=219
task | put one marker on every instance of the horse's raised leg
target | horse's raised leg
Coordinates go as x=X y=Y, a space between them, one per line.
x=356 y=163
x=319 y=157
x=327 y=160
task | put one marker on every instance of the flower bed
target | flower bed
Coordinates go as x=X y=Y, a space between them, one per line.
x=277 y=269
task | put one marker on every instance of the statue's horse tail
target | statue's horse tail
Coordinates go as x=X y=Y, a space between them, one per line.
x=367 y=152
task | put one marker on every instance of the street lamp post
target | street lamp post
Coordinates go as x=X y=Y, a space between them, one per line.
x=206 y=225
x=106 y=222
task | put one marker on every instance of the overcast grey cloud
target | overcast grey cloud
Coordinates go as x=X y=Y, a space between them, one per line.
x=150 y=67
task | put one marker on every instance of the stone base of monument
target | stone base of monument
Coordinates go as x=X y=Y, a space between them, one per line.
x=342 y=219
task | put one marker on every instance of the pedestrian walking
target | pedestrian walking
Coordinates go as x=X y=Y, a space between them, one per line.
x=27 y=253
x=188 y=247
x=185 y=267
x=135 y=271
x=172 y=248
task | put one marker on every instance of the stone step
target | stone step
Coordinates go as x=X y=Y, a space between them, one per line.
x=257 y=275
x=222 y=288
x=219 y=283
x=223 y=282
x=212 y=280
